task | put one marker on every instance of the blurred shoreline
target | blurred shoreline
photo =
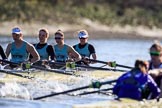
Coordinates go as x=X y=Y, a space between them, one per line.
x=95 y=30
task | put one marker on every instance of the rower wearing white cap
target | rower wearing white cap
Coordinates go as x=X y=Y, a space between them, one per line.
x=85 y=49
x=20 y=49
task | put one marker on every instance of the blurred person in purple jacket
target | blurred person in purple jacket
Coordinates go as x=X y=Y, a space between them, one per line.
x=137 y=84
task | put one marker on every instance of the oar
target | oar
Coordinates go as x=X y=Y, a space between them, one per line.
x=38 y=67
x=96 y=91
x=99 y=68
x=90 y=67
x=118 y=65
x=93 y=85
x=52 y=70
x=16 y=74
x=9 y=62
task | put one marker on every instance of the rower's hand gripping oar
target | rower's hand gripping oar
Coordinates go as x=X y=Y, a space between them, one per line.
x=96 y=84
x=12 y=73
x=111 y=64
x=28 y=66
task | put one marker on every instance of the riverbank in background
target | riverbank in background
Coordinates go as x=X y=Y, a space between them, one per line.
x=102 y=18
x=95 y=29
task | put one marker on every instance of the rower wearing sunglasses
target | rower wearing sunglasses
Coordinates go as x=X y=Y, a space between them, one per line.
x=155 y=64
x=85 y=49
x=156 y=56
x=63 y=51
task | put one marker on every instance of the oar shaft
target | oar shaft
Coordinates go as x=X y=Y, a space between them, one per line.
x=72 y=90
x=96 y=91
x=90 y=67
x=52 y=70
x=9 y=62
x=124 y=66
x=16 y=74
x=64 y=92
x=99 y=68
x=103 y=62
x=107 y=63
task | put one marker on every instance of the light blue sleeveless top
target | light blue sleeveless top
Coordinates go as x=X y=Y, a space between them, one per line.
x=20 y=54
x=42 y=52
x=61 y=54
x=152 y=67
x=84 y=52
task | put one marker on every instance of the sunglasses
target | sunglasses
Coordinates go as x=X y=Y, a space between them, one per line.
x=58 y=38
x=14 y=34
x=154 y=53
x=82 y=38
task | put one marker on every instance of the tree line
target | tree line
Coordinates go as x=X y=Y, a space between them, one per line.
x=133 y=12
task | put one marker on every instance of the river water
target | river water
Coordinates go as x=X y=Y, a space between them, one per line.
x=123 y=51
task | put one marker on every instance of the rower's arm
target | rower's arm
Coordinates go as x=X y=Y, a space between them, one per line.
x=94 y=57
x=75 y=55
x=8 y=49
x=33 y=52
x=155 y=72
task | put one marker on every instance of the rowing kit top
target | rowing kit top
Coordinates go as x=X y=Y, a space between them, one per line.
x=61 y=53
x=156 y=78
x=45 y=51
x=152 y=67
x=42 y=52
x=19 y=55
x=84 y=50
x=136 y=85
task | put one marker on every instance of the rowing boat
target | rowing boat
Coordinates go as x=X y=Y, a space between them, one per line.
x=46 y=75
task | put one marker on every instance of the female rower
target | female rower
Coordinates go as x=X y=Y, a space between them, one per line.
x=155 y=64
x=85 y=49
x=137 y=83
x=46 y=51
x=63 y=51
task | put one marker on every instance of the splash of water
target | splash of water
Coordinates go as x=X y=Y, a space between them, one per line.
x=13 y=89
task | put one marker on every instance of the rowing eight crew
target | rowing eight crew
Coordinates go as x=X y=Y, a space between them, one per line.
x=61 y=52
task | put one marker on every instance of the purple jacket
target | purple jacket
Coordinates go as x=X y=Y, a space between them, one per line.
x=131 y=85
